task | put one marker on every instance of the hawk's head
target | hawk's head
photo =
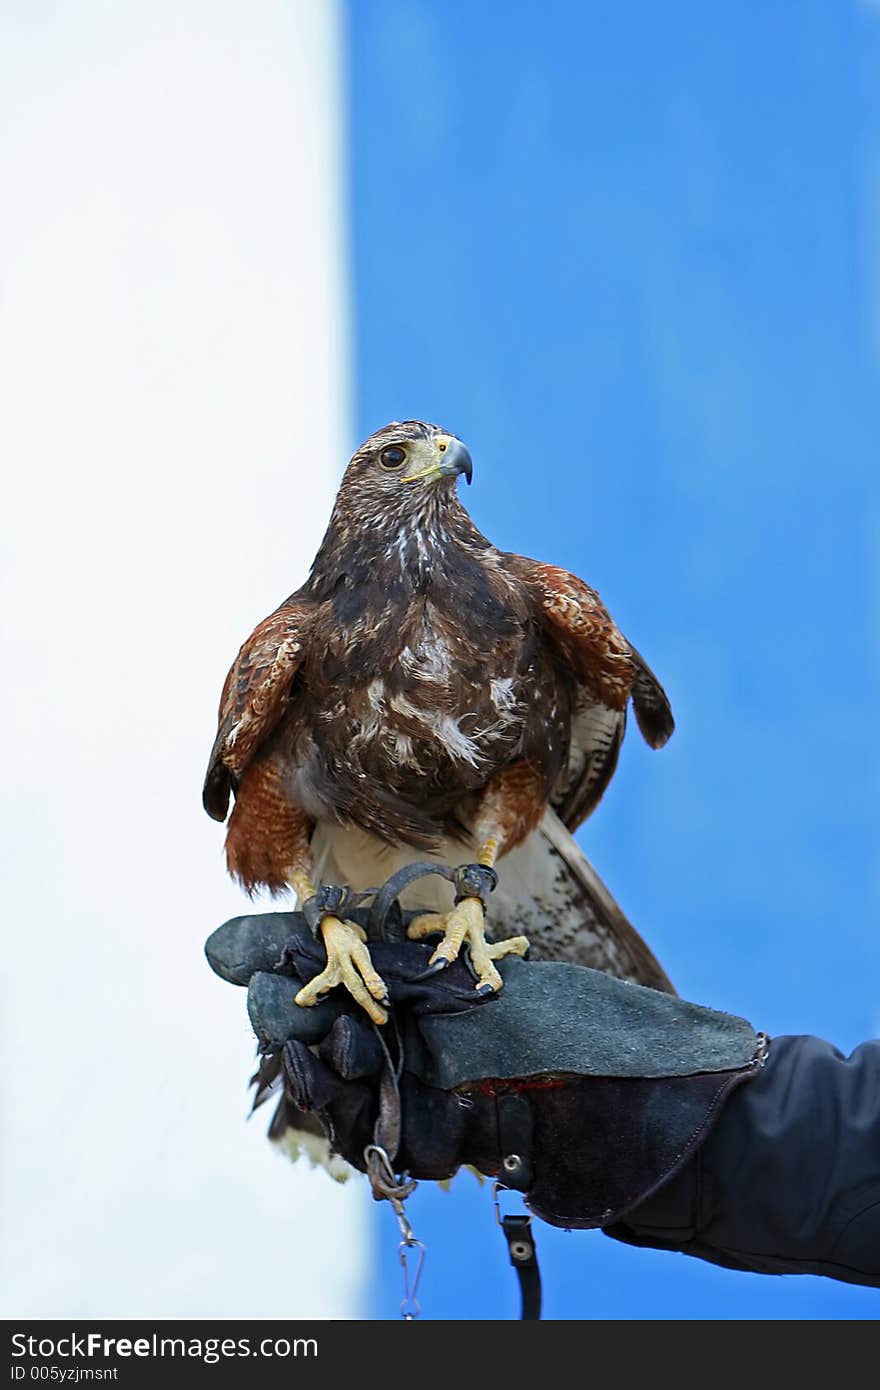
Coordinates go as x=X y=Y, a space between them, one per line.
x=403 y=466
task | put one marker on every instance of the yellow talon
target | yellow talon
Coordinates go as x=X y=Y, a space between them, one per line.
x=465 y=923
x=348 y=964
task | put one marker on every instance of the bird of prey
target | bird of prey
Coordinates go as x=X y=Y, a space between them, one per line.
x=426 y=695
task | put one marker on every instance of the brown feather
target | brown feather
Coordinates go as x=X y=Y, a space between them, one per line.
x=422 y=687
x=651 y=704
x=254 y=699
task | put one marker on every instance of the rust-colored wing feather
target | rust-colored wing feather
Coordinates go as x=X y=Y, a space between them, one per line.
x=254 y=699
x=609 y=670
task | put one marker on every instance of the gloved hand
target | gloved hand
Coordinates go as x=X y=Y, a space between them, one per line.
x=582 y=1091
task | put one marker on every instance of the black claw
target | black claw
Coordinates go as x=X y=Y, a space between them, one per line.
x=485 y=989
x=465 y=955
x=432 y=970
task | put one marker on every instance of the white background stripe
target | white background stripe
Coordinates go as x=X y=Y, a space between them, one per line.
x=174 y=410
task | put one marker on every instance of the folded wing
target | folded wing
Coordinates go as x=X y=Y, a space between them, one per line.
x=254 y=699
x=609 y=672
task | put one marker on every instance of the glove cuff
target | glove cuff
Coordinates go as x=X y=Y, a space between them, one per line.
x=599 y=1146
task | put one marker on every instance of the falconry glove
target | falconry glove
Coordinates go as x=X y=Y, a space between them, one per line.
x=584 y=1092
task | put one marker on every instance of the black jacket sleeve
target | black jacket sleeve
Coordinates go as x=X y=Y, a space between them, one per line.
x=788 y=1182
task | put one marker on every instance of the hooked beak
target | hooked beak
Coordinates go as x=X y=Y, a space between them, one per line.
x=453 y=458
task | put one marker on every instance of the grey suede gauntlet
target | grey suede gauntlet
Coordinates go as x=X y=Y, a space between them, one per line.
x=582 y=1091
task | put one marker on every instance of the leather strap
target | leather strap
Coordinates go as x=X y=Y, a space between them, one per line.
x=515 y=1129
x=524 y=1258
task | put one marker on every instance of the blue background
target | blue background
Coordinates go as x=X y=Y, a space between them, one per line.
x=630 y=254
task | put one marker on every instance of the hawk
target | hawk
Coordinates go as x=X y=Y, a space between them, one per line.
x=427 y=695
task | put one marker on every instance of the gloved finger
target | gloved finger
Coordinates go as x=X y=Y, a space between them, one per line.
x=346 y=1109
x=275 y=1015
x=309 y=1083
x=244 y=945
x=352 y=1049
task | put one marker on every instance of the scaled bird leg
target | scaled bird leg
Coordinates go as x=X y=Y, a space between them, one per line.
x=465 y=923
x=348 y=960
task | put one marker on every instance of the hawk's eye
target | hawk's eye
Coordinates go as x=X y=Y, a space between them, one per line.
x=392 y=457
